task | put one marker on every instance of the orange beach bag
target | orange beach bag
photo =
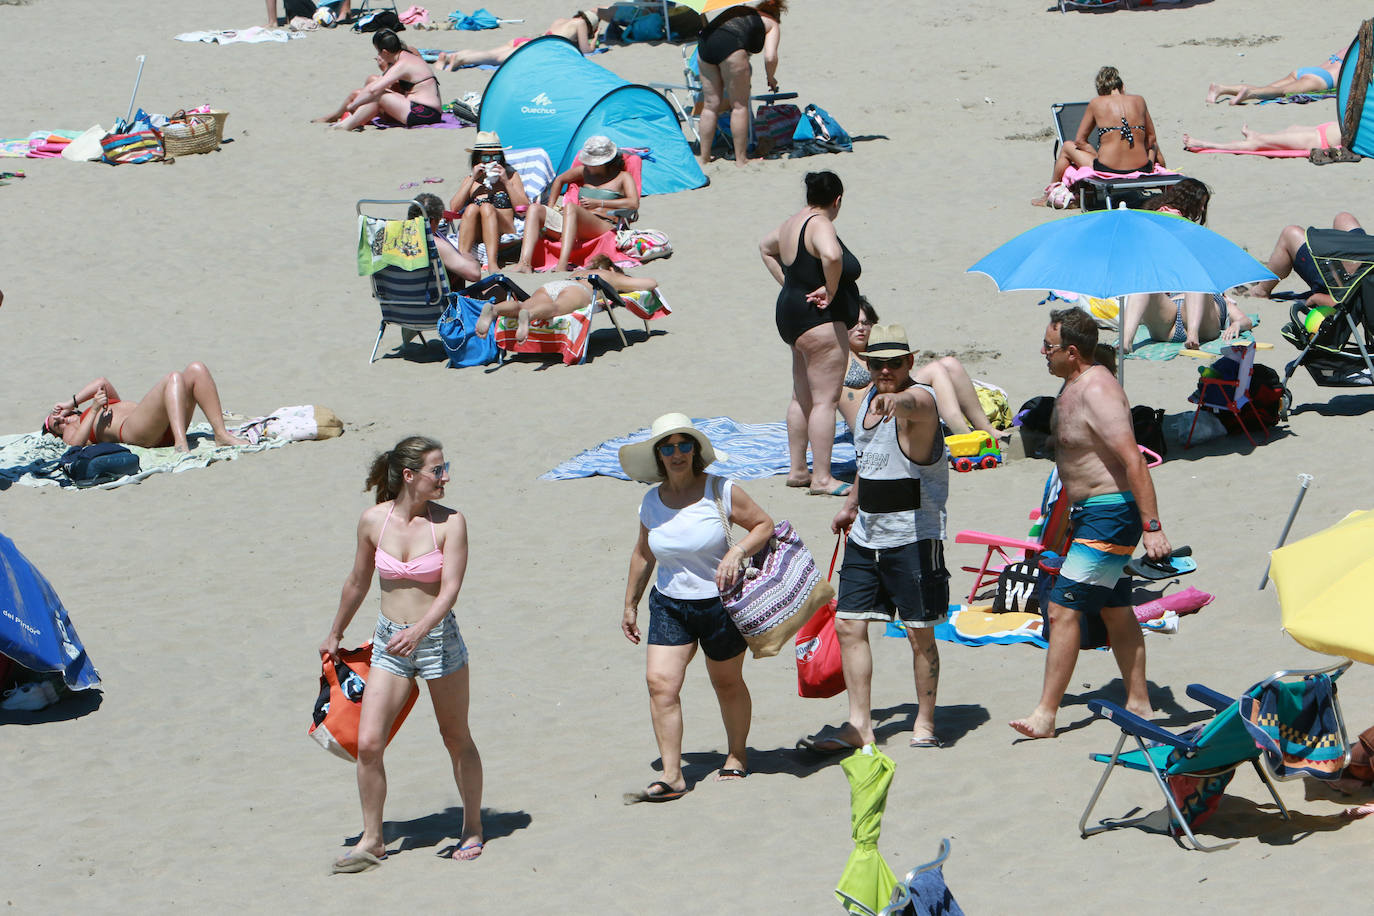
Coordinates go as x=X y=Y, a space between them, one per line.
x=338 y=708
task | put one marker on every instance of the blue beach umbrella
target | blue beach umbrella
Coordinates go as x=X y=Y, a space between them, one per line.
x=1116 y=253
x=34 y=628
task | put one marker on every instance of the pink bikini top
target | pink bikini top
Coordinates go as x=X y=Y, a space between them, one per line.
x=426 y=568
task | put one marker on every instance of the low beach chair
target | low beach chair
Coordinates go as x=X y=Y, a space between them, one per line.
x=536 y=174
x=1104 y=193
x=1231 y=395
x=1002 y=551
x=567 y=336
x=1192 y=768
x=413 y=300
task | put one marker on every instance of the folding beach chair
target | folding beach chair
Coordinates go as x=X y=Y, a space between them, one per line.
x=1226 y=393
x=1108 y=192
x=1191 y=768
x=413 y=300
x=567 y=336
x=536 y=174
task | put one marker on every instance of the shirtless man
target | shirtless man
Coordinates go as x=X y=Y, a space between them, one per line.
x=1105 y=477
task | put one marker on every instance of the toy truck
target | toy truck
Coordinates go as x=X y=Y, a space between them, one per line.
x=972 y=450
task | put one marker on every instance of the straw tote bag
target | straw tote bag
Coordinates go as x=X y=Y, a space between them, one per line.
x=780 y=589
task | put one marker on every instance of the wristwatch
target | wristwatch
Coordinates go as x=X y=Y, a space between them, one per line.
x=1153 y=525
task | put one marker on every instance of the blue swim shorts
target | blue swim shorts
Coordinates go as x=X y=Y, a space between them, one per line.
x=1106 y=530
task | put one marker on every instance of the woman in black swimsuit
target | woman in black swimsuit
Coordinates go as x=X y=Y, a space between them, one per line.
x=818 y=303
x=1125 y=133
x=491 y=196
x=407 y=91
x=723 y=50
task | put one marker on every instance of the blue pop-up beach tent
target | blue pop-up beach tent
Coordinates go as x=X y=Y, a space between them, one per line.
x=547 y=94
x=34 y=628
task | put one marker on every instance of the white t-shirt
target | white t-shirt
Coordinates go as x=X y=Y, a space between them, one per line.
x=689 y=543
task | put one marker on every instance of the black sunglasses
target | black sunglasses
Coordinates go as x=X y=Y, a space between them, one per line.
x=885 y=362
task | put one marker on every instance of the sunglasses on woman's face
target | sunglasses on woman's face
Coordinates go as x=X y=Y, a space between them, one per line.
x=489 y=157
x=681 y=448
x=439 y=470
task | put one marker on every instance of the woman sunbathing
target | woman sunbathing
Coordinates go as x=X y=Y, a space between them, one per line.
x=956 y=399
x=489 y=197
x=159 y=420
x=1294 y=136
x=406 y=92
x=1125 y=134
x=561 y=297
x=580 y=28
x=604 y=185
x=1303 y=79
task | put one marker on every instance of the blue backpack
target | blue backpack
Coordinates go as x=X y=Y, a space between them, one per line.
x=456 y=325
x=818 y=128
x=92 y=464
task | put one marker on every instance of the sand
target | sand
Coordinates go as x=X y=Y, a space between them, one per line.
x=202 y=596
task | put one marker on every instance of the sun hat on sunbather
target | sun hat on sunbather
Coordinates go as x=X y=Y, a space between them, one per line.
x=598 y=150
x=887 y=340
x=487 y=140
x=637 y=458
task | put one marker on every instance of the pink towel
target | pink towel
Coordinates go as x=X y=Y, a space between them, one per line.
x=1268 y=153
x=1074 y=174
x=1188 y=601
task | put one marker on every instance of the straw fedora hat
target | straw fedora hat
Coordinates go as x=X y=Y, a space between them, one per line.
x=887 y=340
x=637 y=458
x=487 y=141
x=598 y=150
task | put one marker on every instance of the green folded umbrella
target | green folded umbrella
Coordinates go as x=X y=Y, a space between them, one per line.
x=866 y=880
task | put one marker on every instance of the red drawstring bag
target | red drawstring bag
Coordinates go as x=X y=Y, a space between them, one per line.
x=340 y=703
x=820 y=673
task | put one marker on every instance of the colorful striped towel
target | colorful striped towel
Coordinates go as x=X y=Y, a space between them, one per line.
x=1296 y=727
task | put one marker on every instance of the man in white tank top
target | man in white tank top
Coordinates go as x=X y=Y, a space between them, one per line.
x=894 y=556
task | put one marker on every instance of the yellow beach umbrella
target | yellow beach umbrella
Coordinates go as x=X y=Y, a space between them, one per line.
x=1325 y=583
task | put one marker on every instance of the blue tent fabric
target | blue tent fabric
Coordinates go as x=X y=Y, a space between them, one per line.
x=751 y=451
x=547 y=94
x=34 y=628
x=1364 y=131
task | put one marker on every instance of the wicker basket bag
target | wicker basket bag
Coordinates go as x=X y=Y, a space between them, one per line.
x=186 y=135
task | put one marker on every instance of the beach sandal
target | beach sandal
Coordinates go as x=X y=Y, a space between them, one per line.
x=665 y=793
x=1332 y=154
x=930 y=741
x=1179 y=563
x=840 y=490
x=727 y=774
x=354 y=862
x=826 y=742
x=473 y=851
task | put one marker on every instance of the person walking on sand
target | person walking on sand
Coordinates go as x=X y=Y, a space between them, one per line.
x=894 y=559
x=1113 y=497
x=419 y=549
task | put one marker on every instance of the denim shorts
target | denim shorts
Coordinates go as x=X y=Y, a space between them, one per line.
x=683 y=621
x=439 y=652
x=910 y=582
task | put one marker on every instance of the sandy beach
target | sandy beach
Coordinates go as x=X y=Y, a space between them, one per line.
x=202 y=596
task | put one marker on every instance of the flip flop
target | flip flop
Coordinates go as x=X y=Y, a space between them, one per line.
x=816 y=744
x=475 y=849
x=841 y=490
x=931 y=741
x=728 y=773
x=353 y=862
x=666 y=793
x=1179 y=563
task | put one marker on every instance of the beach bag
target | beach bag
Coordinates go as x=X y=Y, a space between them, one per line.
x=132 y=148
x=456 y=326
x=643 y=244
x=1035 y=414
x=820 y=671
x=91 y=464
x=334 y=722
x=817 y=127
x=776 y=124
x=1149 y=429
x=1018 y=585
x=645 y=27
x=382 y=19
x=780 y=590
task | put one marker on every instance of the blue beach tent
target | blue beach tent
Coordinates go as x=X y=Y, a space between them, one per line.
x=34 y=628
x=548 y=95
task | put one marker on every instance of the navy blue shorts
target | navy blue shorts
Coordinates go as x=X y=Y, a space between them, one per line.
x=683 y=621
x=909 y=582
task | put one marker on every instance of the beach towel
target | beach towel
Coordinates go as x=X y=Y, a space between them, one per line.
x=1197 y=797
x=565 y=335
x=1267 y=153
x=1143 y=347
x=744 y=451
x=1301 y=98
x=447 y=121
x=253 y=35
x=1076 y=173
x=391 y=242
x=1297 y=730
x=28 y=458
x=546 y=252
x=979 y=626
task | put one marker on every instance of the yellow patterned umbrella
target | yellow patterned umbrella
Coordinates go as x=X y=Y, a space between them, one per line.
x=1325 y=582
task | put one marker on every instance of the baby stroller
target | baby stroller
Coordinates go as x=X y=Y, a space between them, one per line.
x=1336 y=340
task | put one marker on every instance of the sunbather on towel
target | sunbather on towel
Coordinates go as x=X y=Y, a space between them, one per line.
x=159 y=420
x=488 y=198
x=600 y=171
x=561 y=297
x=1295 y=136
x=462 y=267
x=1125 y=134
x=955 y=397
x=1303 y=79
x=1291 y=255
x=580 y=28
x=406 y=92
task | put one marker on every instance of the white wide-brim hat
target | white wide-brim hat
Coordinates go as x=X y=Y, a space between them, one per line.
x=637 y=458
x=598 y=150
